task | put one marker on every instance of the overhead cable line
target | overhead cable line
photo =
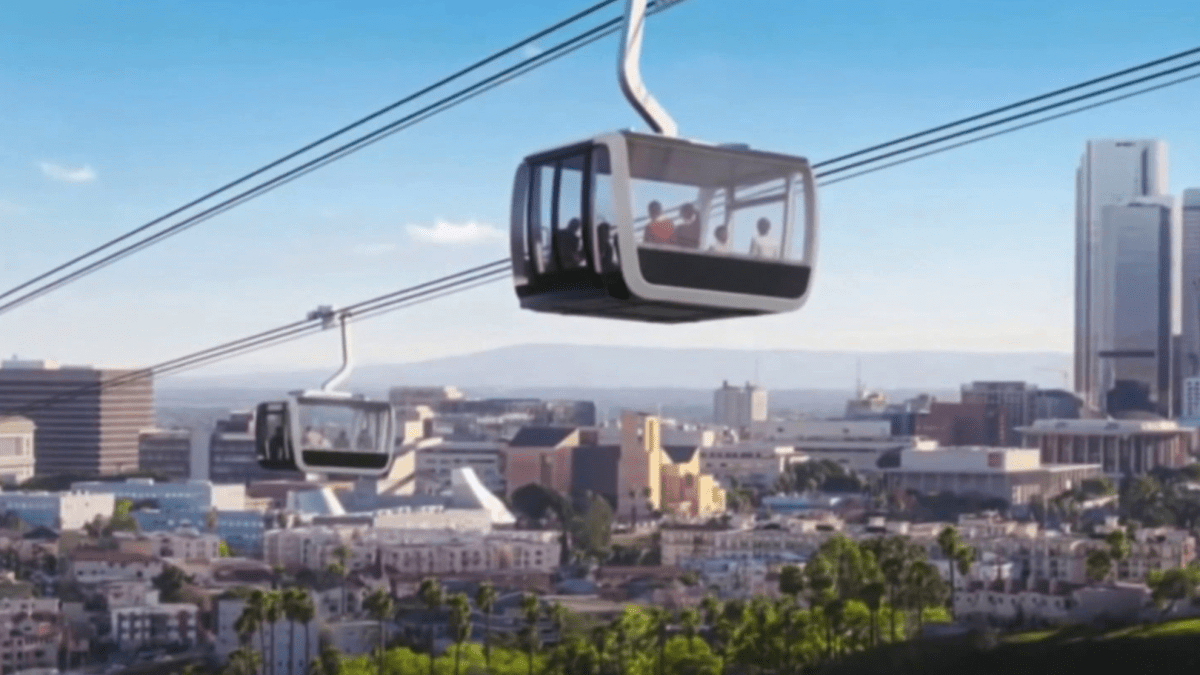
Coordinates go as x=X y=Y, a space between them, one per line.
x=547 y=56
x=497 y=269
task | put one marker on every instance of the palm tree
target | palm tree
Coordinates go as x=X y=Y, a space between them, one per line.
x=243 y=661
x=252 y=619
x=953 y=549
x=689 y=621
x=485 y=599
x=299 y=608
x=379 y=605
x=460 y=621
x=343 y=557
x=434 y=596
x=273 y=612
x=529 y=607
x=659 y=619
x=339 y=570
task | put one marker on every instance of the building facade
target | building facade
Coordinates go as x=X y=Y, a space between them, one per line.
x=16 y=450
x=1121 y=447
x=738 y=407
x=1014 y=475
x=1017 y=399
x=1189 y=290
x=231 y=453
x=1134 y=334
x=88 y=429
x=435 y=462
x=57 y=510
x=1111 y=172
x=166 y=452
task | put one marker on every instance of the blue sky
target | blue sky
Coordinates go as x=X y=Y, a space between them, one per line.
x=113 y=113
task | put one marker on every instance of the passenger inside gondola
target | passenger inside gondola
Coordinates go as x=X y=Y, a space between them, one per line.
x=661 y=230
x=762 y=245
x=275 y=445
x=342 y=442
x=720 y=240
x=606 y=246
x=687 y=234
x=570 y=252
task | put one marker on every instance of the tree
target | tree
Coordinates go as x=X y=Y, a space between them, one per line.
x=485 y=599
x=1098 y=564
x=122 y=517
x=434 y=596
x=272 y=613
x=534 y=501
x=1170 y=586
x=169 y=583
x=379 y=606
x=243 y=661
x=1119 y=546
x=529 y=610
x=223 y=550
x=689 y=622
x=596 y=531
x=252 y=619
x=957 y=556
x=297 y=607
x=460 y=623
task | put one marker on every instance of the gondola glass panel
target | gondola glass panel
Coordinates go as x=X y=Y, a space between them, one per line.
x=350 y=436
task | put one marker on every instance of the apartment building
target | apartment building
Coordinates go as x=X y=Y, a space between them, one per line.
x=749 y=463
x=92 y=566
x=33 y=632
x=155 y=625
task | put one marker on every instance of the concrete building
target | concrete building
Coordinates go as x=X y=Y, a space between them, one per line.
x=964 y=424
x=750 y=463
x=1189 y=412
x=156 y=625
x=1014 y=475
x=95 y=566
x=1121 y=447
x=231 y=454
x=166 y=452
x=738 y=407
x=1017 y=399
x=858 y=445
x=89 y=429
x=1111 y=172
x=540 y=455
x=185 y=543
x=16 y=450
x=57 y=510
x=33 y=632
x=1137 y=277
x=436 y=460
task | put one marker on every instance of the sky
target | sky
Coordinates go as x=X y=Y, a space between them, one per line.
x=114 y=113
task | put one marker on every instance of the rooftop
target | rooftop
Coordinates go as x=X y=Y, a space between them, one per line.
x=540 y=437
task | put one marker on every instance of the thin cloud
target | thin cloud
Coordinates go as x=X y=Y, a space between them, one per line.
x=449 y=233
x=375 y=250
x=67 y=174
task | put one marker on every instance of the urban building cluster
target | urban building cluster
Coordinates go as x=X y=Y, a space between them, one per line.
x=117 y=564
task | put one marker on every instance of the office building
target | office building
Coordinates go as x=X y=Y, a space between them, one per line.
x=16 y=450
x=166 y=452
x=1017 y=399
x=57 y=510
x=1111 y=172
x=88 y=429
x=1190 y=285
x=737 y=407
x=1135 y=272
x=1013 y=475
x=1121 y=447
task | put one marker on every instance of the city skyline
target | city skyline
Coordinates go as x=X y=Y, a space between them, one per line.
x=896 y=246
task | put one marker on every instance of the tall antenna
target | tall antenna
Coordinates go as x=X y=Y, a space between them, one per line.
x=858 y=385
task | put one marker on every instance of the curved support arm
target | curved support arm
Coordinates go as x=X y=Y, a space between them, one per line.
x=629 y=73
x=343 y=373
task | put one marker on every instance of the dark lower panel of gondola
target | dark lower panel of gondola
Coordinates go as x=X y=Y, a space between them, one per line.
x=707 y=272
x=334 y=460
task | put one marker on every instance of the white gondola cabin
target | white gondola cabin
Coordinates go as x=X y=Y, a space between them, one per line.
x=323 y=433
x=654 y=228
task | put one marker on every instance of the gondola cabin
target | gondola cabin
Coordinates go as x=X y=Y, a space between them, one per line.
x=653 y=228
x=326 y=433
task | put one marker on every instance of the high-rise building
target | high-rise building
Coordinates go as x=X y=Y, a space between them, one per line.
x=166 y=452
x=1111 y=172
x=1189 y=413
x=88 y=429
x=1190 y=285
x=737 y=407
x=1135 y=278
x=1017 y=399
x=16 y=450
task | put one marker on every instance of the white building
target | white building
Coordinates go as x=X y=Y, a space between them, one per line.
x=57 y=510
x=1111 y=172
x=1013 y=474
x=184 y=543
x=436 y=461
x=91 y=566
x=858 y=445
x=737 y=407
x=16 y=450
x=155 y=624
x=1122 y=447
x=748 y=463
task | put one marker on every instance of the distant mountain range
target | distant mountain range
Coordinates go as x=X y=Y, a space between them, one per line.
x=648 y=376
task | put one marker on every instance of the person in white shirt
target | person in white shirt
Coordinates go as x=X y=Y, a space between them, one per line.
x=720 y=240
x=762 y=246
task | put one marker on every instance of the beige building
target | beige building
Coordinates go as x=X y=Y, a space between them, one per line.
x=16 y=450
x=858 y=445
x=185 y=543
x=540 y=455
x=32 y=633
x=739 y=407
x=1014 y=475
x=435 y=461
x=155 y=624
x=92 y=566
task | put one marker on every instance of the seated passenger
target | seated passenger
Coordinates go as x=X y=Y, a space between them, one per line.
x=660 y=230
x=762 y=246
x=570 y=253
x=720 y=240
x=275 y=445
x=606 y=246
x=342 y=442
x=687 y=234
x=366 y=441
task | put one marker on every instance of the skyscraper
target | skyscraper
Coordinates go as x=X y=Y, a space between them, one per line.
x=1111 y=172
x=90 y=430
x=1190 y=286
x=737 y=407
x=1135 y=283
